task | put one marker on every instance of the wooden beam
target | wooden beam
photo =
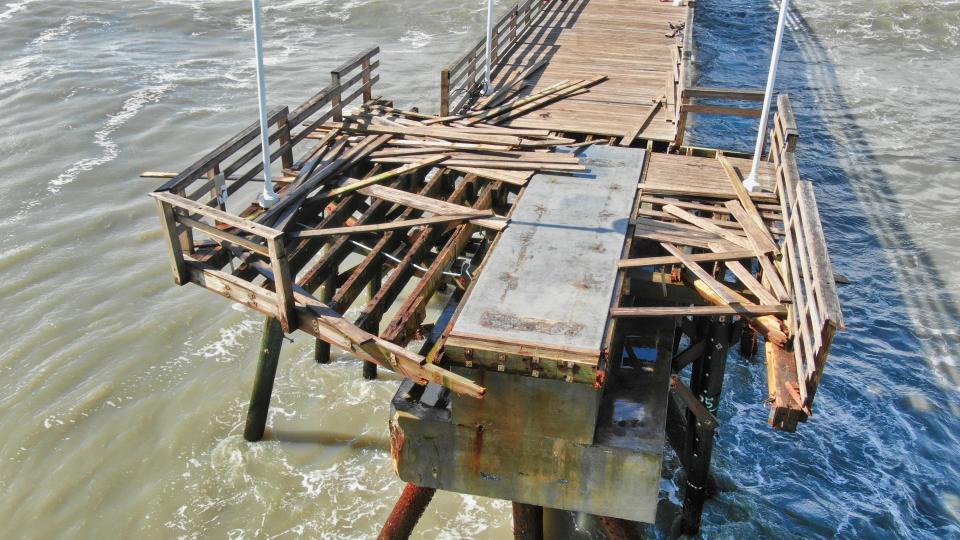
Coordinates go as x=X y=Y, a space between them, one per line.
x=354 y=184
x=750 y=310
x=706 y=225
x=699 y=257
x=404 y=224
x=746 y=199
x=427 y=204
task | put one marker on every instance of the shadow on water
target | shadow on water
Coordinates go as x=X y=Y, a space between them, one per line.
x=328 y=438
x=877 y=458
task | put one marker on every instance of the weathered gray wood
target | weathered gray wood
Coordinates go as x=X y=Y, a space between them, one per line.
x=550 y=279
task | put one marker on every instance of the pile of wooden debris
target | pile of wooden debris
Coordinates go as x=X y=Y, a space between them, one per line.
x=471 y=143
x=733 y=232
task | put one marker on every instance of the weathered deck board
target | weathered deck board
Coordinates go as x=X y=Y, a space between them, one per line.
x=550 y=279
x=679 y=174
x=582 y=39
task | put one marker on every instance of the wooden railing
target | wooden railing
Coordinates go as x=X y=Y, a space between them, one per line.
x=814 y=315
x=181 y=217
x=463 y=78
x=236 y=162
x=193 y=202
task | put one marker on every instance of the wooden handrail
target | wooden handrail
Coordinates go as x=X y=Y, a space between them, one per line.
x=464 y=74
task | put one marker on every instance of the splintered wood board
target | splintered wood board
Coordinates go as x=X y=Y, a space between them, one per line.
x=548 y=284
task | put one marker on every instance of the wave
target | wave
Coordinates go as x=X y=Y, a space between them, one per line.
x=131 y=106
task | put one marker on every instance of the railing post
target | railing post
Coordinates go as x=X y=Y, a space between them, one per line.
x=335 y=96
x=445 y=92
x=367 y=90
x=177 y=264
x=283 y=126
x=186 y=235
x=282 y=282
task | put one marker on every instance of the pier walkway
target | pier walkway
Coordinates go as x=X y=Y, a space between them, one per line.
x=597 y=268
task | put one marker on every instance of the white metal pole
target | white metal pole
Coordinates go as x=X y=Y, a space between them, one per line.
x=487 y=88
x=751 y=182
x=269 y=196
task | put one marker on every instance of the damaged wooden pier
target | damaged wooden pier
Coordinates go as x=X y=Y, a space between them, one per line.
x=596 y=270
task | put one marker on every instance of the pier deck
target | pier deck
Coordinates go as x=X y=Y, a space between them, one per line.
x=593 y=257
x=628 y=42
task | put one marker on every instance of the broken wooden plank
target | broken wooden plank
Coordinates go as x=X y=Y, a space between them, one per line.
x=706 y=225
x=746 y=199
x=439 y=132
x=698 y=311
x=627 y=139
x=427 y=204
x=698 y=257
x=379 y=227
x=721 y=290
x=517 y=178
x=354 y=184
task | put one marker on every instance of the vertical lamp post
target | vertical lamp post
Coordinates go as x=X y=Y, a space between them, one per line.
x=751 y=182
x=487 y=87
x=269 y=196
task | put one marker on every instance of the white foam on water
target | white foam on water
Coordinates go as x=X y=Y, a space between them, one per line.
x=13 y=8
x=102 y=137
x=416 y=39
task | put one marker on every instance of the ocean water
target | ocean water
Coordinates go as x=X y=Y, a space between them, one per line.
x=122 y=396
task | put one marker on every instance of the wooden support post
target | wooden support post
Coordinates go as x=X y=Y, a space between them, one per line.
x=270 y=344
x=283 y=284
x=690 y=429
x=373 y=324
x=445 y=92
x=283 y=126
x=406 y=513
x=322 y=349
x=336 y=96
x=706 y=380
x=177 y=264
x=527 y=522
x=365 y=78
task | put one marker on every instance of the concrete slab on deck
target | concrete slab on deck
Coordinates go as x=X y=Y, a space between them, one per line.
x=548 y=284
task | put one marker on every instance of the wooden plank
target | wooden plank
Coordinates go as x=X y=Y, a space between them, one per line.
x=172 y=238
x=282 y=282
x=744 y=94
x=746 y=199
x=698 y=311
x=517 y=178
x=706 y=225
x=380 y=227
x=747 y=278
x=216 y=214
x=698 y=257
x=354 y=184
x=718 y=288
x=783 y=389
x=506 y=164
x=820 y=258
x=497 y=223
x=223 y=235
x=627 y=139
x=440 y=132
x=756 y=242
